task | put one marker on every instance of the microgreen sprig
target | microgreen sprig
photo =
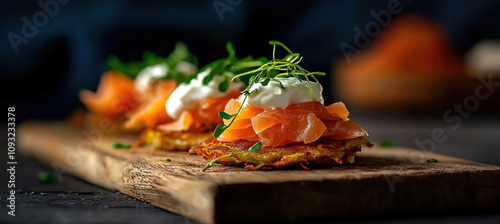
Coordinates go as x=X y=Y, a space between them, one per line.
x=254 y=148
x=288 y=66
x=228 y=66
x=132 y=69
x=285 y=67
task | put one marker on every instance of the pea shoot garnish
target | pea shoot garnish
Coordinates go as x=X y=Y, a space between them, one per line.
x=254 y=148
x=285 y=67
x=227 y=67
x=132 y=69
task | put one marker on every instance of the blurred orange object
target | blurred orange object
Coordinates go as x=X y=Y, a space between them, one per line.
x=114 y=97
x=411 y=64
x=152 y=112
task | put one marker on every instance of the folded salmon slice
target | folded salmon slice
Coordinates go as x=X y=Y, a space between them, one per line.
x=152 y=110
x=304 y=122
x=204 y=116
x=114 y=97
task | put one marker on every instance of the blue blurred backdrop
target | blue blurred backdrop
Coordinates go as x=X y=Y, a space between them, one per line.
x=68 y=49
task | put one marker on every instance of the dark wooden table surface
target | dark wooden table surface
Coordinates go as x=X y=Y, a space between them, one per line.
x=70 y=200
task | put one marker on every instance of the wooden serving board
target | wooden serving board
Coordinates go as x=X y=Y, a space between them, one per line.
x=383 y=181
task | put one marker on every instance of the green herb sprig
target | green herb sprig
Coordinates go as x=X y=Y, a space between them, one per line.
x=227 y=67
x=132 y=69
x=286 y=67
x=254 y=148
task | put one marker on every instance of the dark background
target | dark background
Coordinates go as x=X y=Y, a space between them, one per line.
x=68 y=53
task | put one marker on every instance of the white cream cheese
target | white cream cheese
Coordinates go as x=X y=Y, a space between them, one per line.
x=149 y=75
x=187 y=96
x=273 y=96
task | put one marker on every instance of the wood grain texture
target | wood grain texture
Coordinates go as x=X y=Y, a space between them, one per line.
x=383 y=181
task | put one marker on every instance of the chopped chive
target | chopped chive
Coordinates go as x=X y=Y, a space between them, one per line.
x=432 y=161
x=45 y=177
x=168 y=160
x=119 y=145
x=387 y=143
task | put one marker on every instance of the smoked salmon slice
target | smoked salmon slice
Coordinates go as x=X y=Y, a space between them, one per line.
x=204 y=116
x=152 y=110
x=114 y=97
x=304 y=122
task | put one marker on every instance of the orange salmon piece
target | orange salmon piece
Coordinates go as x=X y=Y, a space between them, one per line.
x=305 y=122
x=206 y=115
x=183 y=123
x=152 y=110
x=338 y=109
x=114 y=97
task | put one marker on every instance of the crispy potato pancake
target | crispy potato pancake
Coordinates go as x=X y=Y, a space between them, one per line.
x=324 y=152
x=173 y=140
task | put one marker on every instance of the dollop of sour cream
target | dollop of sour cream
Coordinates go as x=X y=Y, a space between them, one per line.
x=149 y=75
x=188 y=95
x=274 y=96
